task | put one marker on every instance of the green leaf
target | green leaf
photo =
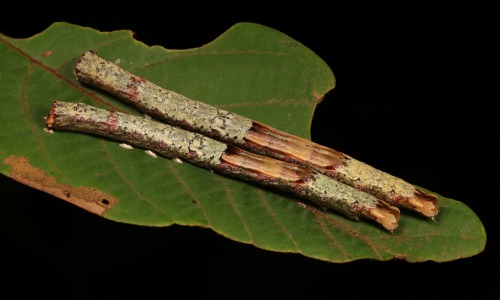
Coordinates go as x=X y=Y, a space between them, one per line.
x=251 y=70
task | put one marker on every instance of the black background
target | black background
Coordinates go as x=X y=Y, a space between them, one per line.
x=410 y=100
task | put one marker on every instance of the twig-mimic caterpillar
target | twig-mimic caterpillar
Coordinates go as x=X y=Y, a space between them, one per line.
x=169 y=141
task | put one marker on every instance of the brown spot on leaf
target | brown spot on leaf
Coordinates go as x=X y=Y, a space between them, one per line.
x=47 y=53
x=87 y=198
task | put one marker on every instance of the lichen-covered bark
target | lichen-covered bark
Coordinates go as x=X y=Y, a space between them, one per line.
x=173 y=108
x=162 y=104
x=163 y=139
x=200 y=150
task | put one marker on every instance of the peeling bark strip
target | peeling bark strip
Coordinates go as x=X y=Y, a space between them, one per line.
x=169 y=141
x=175 y=109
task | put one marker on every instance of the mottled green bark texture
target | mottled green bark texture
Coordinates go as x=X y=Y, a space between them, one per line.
x=132 y=187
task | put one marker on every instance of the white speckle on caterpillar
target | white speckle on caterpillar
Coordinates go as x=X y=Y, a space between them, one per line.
x=302 y=204
x=48 y=130
x=126 y=146
x=151 y=153
x=177 y=160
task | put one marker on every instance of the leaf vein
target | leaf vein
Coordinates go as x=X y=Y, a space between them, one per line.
x=212 y=53
x=235 y=207
x=349 y=230
x=266 y=103
x=264 y=201
x=189 y=192
x=107 y=43
x=36 y=134
x=59 y=76
x=320 y=217
x=127 y=182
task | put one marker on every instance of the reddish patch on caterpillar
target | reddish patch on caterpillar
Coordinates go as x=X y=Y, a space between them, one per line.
x=191 y=155
x=111 y=122
x=133 y=87
x=49 y=121
x=136 y=136
x=264 y=178
x=155 y=112
x=214 y=134
x=183 y=123
x=161 y=146
x=301 y=185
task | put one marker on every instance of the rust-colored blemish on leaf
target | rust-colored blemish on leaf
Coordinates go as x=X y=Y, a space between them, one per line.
x=87 y=198
x=47 y=53
x=319 y=96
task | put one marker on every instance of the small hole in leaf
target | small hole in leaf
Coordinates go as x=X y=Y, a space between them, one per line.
x=105 y=201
